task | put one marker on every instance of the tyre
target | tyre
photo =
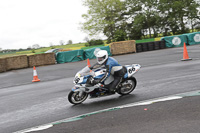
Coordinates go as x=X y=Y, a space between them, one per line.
x=162 y=45
x=144 y=47
x=150 y=46
x=156 y=45
x=74 y=97
x=127 y=86
x=138 y=47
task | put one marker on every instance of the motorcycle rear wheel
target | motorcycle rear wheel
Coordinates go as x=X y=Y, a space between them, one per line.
x=127 y=86
x=74 y=97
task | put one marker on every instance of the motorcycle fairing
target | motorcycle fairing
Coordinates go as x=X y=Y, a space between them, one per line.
x=131 y=69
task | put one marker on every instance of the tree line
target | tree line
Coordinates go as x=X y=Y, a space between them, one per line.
x=122 y=20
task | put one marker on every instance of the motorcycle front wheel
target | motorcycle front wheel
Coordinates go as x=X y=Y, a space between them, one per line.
x=75 y=98
x=127 y=86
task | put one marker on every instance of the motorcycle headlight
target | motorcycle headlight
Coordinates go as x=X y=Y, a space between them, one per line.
x=77 y=78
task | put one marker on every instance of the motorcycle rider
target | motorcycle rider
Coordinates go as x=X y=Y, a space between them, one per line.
x=112 y=67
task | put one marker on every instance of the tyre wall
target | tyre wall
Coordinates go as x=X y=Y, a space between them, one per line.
x=149 y=46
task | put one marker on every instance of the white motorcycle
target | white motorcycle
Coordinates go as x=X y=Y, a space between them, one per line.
x=83 y=88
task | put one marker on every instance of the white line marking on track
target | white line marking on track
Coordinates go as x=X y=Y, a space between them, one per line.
x=38 y=128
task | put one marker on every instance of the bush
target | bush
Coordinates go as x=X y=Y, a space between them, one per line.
x=33 y=50
x=53 y=47
x=87 y=44
x=94 y=42
x=120 y=35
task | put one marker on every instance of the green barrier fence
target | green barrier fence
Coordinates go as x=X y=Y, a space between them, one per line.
x=193 y=38
x=175 y=41
x=70 y=56
x=89 y=53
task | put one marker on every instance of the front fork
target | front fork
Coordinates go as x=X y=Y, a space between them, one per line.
x=79 y=90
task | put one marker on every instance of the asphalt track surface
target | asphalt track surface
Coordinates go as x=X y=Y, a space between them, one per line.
x=173 y=114
x=24 y=104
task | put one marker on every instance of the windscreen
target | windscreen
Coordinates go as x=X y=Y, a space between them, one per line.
x=84 y=70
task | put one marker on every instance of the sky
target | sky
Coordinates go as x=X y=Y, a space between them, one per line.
x=24 y=23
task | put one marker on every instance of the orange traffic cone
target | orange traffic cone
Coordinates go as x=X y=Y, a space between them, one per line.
x=88 y=63
x=35 y=77
x=185 y=54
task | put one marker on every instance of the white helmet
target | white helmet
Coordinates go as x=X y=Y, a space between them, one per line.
x=96 y=51
x=102 y=56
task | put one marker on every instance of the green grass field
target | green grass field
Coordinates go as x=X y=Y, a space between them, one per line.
x=42 y=50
